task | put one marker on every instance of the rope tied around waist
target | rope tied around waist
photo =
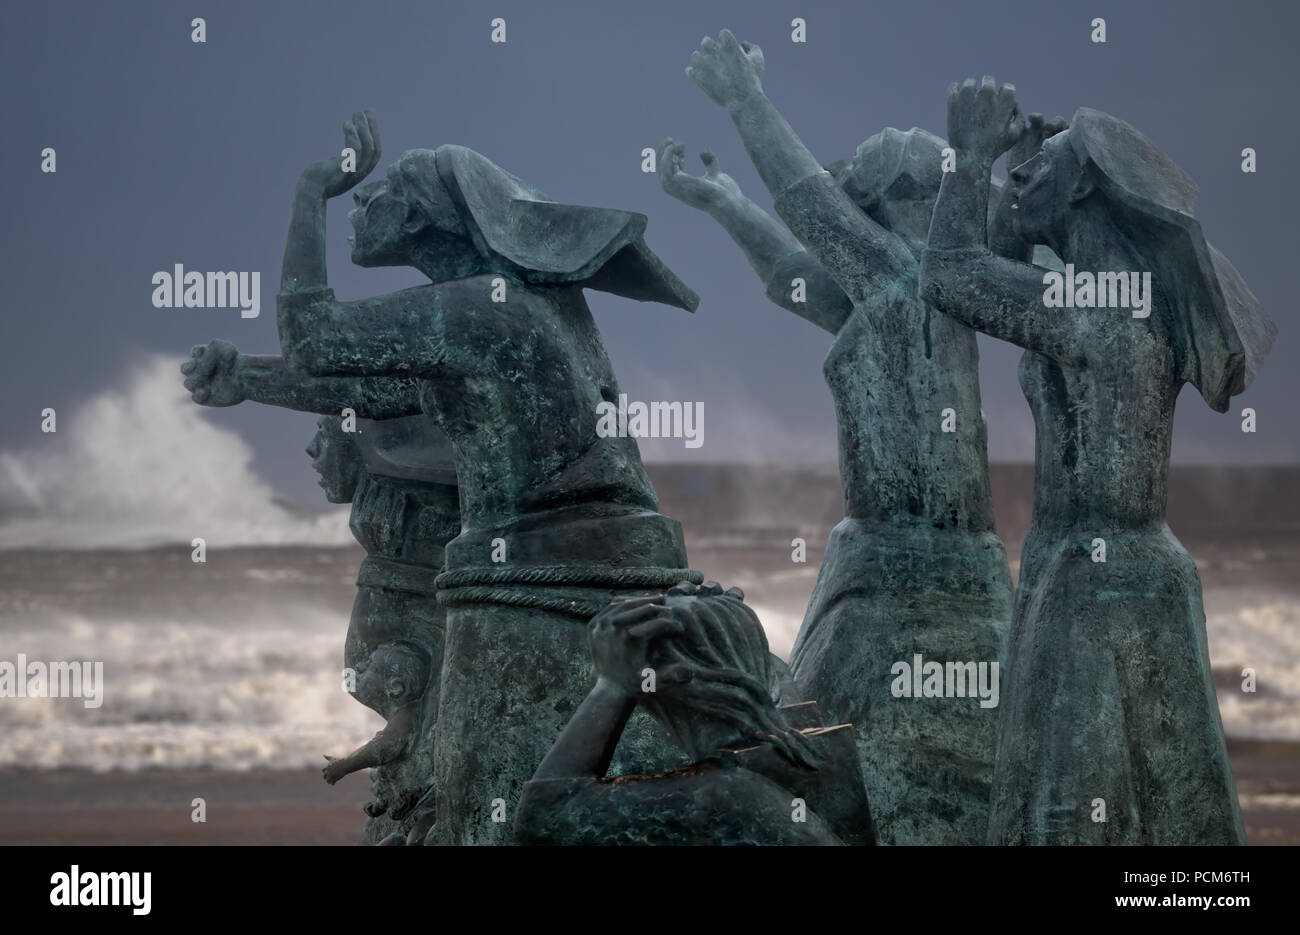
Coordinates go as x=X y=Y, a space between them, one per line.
x=536 y=586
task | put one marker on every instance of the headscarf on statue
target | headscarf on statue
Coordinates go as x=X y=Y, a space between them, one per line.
x=519 y=230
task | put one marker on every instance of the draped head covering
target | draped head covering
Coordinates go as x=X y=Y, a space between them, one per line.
x=898 y=166
x=1223 y=333
x=893 y=165
x=516 y=228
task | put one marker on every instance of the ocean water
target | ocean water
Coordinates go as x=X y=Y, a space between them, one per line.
x=235 y=664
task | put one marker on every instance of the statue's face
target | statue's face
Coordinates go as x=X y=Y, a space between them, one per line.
x=380 y=224
x=336 y=460
x=1042 y=191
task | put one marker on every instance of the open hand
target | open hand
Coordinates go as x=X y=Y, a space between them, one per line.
x=983 y=119
x=727 y=70
x=704 y=192
x=361 y=135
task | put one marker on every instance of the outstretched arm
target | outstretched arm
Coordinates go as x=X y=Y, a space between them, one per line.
x=397 y=334
x=770 y=248
x=269 y=380
x=960 y=276
x=862 y=256
x=385 y=747
x=304 y=251
x=218 y=375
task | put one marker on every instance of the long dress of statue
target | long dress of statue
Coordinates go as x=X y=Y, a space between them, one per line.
x=916 y=565
x=1109 y=702
x=556 y=520
x=399 y=477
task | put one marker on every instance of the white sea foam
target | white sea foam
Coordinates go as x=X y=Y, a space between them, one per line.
x=188 y=695
x=142 y=466
x=266 y=694
x=1264 y=637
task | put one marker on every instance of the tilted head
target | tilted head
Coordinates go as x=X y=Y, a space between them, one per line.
x=714 y=681
x=452 y=213
x=336 y=458
x=894 y=177
x=1045 y=190
x=1102 y=176
x=409 y=218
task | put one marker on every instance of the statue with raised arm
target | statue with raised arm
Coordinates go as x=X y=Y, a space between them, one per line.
x=1109 y=702
x=399 y=477
x=760 y=773
x=916 y=566
x=557 y=518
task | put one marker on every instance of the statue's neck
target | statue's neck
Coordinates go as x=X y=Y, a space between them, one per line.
x=445 y=258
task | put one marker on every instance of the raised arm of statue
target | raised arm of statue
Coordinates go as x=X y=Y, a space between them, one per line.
x=774 y=253
x=218 y=375
x=304 y=251
x=862 y=256
x=318 y=334
x=960 y=275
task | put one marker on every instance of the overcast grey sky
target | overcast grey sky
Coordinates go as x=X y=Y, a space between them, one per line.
x=175 y=152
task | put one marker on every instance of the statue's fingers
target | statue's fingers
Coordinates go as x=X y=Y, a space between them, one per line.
x=621 y=607
x=372 y=124
x=710 y=163
x=187 y=366
x=362 y=124
x=635 y=615
x=204 y=365
x=625 y=602
x=660 y=626
x=673 y=156
x=201 y=395
x=352 y=139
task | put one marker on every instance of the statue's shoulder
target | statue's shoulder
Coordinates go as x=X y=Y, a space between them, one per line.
x=489 y=291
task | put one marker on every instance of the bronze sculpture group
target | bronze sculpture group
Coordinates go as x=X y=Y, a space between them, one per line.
x=550 y=668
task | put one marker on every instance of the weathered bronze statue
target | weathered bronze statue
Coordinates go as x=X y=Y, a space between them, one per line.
x=556 y=519
x=916 y=566
x=398 y=476
x=1111 y=733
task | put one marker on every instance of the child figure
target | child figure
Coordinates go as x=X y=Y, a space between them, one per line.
x=391 y=683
